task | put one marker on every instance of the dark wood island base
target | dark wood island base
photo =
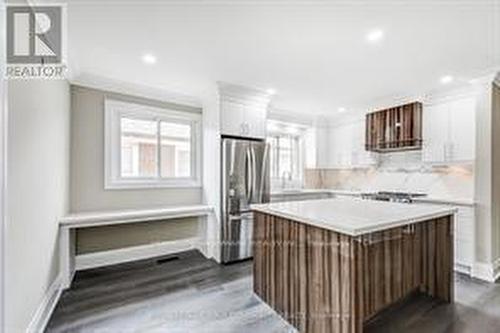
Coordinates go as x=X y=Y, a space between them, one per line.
x=324 y=281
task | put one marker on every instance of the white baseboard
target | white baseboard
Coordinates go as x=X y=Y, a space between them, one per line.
x=463 y=268
x=496 y=269
x=112 y=257
x=483 y=271
x=46 y=307
x=486 y=272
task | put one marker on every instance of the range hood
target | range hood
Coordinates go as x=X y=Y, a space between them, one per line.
x=395 y=129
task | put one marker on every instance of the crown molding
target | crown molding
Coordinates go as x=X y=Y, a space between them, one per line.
x=469 y=90
x=287 y=116
x=238 y=92
x=127 y=88
x=491 y=76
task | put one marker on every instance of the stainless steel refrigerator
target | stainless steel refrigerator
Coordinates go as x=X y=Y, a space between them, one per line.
x=245 y=181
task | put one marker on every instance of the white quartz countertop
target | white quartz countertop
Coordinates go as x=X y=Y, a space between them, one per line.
x=446 y=200
x=354 y=216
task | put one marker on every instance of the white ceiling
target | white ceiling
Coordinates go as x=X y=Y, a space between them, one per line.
x=313 y=53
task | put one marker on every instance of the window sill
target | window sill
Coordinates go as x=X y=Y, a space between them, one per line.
x=131 y=185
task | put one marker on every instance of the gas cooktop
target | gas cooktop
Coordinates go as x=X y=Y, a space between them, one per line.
x=406 y=197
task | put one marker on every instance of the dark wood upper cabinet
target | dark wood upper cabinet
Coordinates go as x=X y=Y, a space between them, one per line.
x=395 y=129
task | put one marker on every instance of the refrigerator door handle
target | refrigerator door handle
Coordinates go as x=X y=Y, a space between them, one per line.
x=248 y=175
x=264 y=171
x=254 y=174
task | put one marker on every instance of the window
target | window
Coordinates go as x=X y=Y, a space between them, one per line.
x=151 y=147
x=287 y=156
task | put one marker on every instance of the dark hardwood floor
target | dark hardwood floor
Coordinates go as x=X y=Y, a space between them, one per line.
x=192 y=294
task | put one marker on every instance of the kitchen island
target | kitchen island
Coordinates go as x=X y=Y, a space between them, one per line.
x=331 y=265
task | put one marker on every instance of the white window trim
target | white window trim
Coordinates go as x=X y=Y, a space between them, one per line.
x=114 y=110
x=299 y=179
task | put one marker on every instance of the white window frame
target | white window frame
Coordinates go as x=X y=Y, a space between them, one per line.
x=296 y=132
x=114 y=111
x=296 y=157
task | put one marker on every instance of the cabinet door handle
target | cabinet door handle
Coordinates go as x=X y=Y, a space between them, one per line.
x=409 y=229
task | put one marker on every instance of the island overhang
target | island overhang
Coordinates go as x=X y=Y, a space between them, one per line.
x=354 y=216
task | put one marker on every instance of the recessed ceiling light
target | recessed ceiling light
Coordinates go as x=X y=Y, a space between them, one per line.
x=446 y=79
x=292 y=130
x=342 y=110
x=149 y=59
x=375 y=35
x=272 y=127
x=271 y=91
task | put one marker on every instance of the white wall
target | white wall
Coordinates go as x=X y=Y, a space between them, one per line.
x=3 y=134
x=37 y=177
x=496 y=176
x=212 y=170
x=483 y=174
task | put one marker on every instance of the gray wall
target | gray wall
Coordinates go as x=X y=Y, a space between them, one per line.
x=111 y=237
x=87 y=159
x=87 y=178
x=37 y=177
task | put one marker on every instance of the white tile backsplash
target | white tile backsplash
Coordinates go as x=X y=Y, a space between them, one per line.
x=399 y=172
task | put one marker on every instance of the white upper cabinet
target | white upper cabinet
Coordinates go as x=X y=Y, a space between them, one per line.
x=322 y=147
x=449 y=131
x=255 y=120
x=462 y=129
x=233 y=118
x=243 y=111
x=360 y=156
x=345 y=146
x=435 y=121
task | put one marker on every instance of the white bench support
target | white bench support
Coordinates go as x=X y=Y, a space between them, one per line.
x=67 y=250
x=69 y=224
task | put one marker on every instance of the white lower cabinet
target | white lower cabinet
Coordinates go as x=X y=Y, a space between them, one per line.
x=464 y=234
x=464 y=239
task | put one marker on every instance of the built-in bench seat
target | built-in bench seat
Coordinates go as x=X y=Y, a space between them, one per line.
x=71 y=222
